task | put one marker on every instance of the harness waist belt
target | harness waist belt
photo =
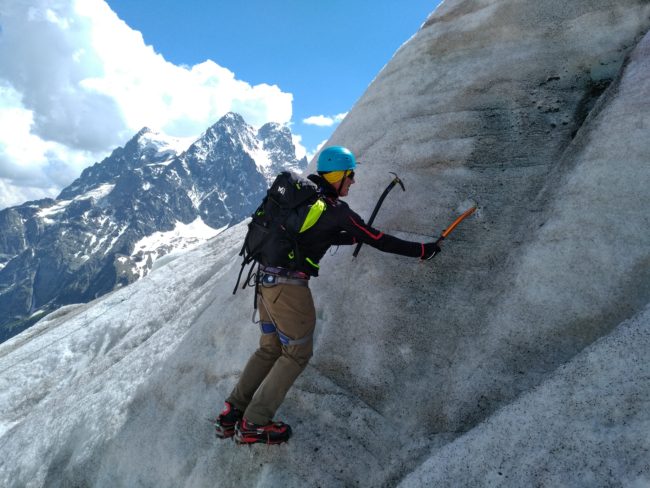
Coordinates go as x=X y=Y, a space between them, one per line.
x=287 y=273
x=271 y=279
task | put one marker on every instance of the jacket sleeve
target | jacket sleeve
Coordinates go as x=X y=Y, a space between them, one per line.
x=344 y=238
x=354 y=225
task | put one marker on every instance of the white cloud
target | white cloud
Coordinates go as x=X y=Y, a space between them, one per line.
x=311 y=155
x=300 y=149
x=76 y=81
x=30 y=167
x=324 y=120
x=11 y=195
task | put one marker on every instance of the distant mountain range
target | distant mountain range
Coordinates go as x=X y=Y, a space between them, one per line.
x=147 y=199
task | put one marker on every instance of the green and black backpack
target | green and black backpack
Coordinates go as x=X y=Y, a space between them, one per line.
x=291 y=206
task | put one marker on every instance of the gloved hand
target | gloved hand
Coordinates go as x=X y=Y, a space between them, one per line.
x=430 y=250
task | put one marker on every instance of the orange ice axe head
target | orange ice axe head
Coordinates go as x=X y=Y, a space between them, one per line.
x=451 y=228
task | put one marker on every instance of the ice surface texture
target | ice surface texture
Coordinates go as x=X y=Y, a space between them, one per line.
x=515 y=358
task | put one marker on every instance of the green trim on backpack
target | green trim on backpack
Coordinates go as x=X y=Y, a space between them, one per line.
x=315 y=211
x=312 y=263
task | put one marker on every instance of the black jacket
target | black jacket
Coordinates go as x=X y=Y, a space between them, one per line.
x=340 y=225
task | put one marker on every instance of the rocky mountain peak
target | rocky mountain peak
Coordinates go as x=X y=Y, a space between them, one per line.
x=231 y=130
x=233 y=119
x=277 y=140
x=97 y=224
x=274 y=133
x=230 y=123
x=143 y=131
x=145 y=147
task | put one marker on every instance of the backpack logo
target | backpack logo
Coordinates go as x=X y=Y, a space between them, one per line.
x=282 y=190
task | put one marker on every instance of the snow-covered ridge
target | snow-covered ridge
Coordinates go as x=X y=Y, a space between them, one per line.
x=268 y=146
x=183 y=238
x=59 y=206
x=164 y=145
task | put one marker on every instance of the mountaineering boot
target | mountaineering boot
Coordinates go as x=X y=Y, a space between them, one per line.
x=247 y=432
x=226 y=421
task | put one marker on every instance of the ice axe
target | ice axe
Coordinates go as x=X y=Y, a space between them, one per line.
x=390 y=186
x=455 y=223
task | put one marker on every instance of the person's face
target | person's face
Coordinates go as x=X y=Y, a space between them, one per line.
x=348 y=180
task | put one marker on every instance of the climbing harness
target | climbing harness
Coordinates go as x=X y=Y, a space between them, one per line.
x=267 y=279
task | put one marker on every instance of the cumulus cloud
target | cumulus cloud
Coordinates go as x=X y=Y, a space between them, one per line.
x=324 y=120
x=76 y=81
x=31 y=167
x=301 y=151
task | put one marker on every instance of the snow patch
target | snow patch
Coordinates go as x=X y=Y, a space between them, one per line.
x=196 y=197
x=96 y=194
x=163 y=144
x=261 y=157
x=58 y=207
x=113 y=240
x=183 y=238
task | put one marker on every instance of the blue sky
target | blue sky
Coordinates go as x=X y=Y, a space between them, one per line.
x=79 y=78
x=325 y=53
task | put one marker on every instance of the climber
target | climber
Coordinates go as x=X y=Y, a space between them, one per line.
x=286 y=307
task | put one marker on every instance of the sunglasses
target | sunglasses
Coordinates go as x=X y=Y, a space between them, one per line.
x=350 y=174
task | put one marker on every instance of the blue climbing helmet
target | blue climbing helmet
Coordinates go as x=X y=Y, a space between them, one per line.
x=336 y=158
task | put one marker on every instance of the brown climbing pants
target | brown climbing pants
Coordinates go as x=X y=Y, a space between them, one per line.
x=274 y=367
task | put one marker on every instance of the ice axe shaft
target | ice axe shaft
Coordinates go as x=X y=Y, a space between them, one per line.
x=455 y=223
x=396 y=180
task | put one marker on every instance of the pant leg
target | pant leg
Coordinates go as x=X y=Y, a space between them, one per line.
x=258 y=366
x=292 y=310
